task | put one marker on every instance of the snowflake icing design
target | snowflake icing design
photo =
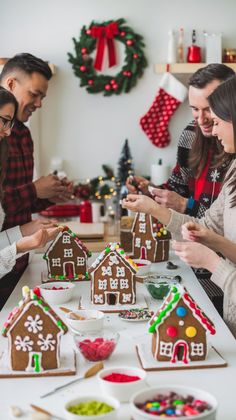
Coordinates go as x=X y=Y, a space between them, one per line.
x=47 y=343
x=23 y=343
x=214 y=175
x=34 y=324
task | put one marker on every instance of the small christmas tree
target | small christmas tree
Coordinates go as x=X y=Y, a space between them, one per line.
x=125 y=169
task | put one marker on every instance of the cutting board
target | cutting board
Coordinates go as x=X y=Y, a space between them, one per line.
x=86 y=230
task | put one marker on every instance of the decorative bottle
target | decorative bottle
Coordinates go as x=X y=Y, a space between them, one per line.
x=181 y=46
x=171 y=52
x=85 y=212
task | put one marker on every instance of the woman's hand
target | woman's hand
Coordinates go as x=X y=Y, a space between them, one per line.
x=137 y=180
x=169 y=199
x=139 y=203
x=192 y=231
x=37 y=240
x=196 y=255
x=35 y=225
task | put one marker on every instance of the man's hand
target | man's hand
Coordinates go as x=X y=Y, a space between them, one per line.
x=196 y=255
x=37 y=240
x=137 y=180
x=170 y=199
x=32 y=227
x=49 y=186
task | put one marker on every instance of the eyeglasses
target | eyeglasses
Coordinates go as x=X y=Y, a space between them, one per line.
x=6 y=124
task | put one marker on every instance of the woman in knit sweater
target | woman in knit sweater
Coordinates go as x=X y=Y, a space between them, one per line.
x=217 y=228
x=19 y=239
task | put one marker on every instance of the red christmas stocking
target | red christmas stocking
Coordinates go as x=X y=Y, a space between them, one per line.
x=155 y=122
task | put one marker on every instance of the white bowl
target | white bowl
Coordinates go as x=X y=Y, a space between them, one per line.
x=96 y=346
x=93 y=320
x=145 y=395
x=122 y=390
x=144 y=266
x=107 y=416
x=57 y=296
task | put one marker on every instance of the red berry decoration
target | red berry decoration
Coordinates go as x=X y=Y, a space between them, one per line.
x=85 y=56
x=36 y=291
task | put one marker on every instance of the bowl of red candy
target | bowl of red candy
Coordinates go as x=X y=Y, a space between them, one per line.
x=57 y=292
x=96 y=346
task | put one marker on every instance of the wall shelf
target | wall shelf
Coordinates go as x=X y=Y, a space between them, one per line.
x=184 y=68
x=4 y=60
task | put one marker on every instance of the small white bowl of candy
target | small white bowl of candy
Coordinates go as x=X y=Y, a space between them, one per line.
x=85 y=320
x=57 y=292
x=173 y=401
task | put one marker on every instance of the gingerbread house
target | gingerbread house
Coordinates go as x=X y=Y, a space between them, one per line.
x=126 y=234
x=34 y=332
x=180 y=329
x=67 y=257
x=151 y=240
x=113 y=277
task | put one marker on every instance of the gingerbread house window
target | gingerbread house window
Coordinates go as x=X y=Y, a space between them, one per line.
x=113 y=283
x=124 y=284
x=142 y=227
x=102 y=284
x=197 y=349
x=137 y=242
x=166 y=348
x=126 y=297
x=80 y=260
x=98 y=298
x=113 y=260
x=66 y=239
x=56 y=262
x=46 y=343
x=68 y=252
x=141 y=217
x=148 y=244
x=106 y=271
x=120 y=271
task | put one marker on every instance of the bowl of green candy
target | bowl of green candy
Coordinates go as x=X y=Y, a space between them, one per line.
x=160 y=286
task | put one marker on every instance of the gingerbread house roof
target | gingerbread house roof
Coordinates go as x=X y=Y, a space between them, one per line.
x=33 y=297
x=114 y=247
x=75 y=239
x=176 y=293
x=158 y=230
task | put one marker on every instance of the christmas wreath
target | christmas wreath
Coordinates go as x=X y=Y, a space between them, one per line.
x=100 y=35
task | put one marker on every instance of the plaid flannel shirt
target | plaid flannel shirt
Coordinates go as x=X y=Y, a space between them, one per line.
x=20 y=199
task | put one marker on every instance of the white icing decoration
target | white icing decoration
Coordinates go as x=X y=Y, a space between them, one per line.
x=66 y=239
x=80 y=261
x=102 y=284
x=113 y=283
x=124 y=283
x=98 y=298
x=137 y=242
x=126 y=297
x=106 y=271
x=47 y=343
x=142 y=227
x=56 y=262
x=120 y=271
x=34 y=324
x=148 y=244
x=197 y=349
x=141 y=217
x=181 y=323
x=68 y=252
x=113 y=260
x=23 y=343
x=166 y=349
x=30 y=367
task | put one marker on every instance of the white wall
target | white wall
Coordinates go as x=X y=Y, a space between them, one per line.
x=89 y=130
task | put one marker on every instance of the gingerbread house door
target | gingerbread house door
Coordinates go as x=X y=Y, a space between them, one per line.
x=69 y=269
x=143 y=253
x=180 y=352
x=112 y=298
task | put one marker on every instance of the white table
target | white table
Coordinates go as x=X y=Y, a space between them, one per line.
x=219 y=381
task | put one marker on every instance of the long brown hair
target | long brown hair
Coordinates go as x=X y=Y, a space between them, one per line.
x=199 y=152
x=223 y=103
x=6 y=97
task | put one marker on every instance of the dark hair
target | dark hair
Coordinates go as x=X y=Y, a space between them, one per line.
x=223 y=103
x=28 y=64
x=200 y=149
x=6 y=97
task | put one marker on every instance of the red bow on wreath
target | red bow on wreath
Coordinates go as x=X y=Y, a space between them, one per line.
x=105 y=34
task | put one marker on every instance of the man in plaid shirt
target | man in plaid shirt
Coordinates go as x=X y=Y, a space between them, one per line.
x=27 y=78
x=196 y=179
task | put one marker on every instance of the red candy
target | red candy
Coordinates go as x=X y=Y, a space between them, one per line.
x=98 y=349
x=121 y=377
x=57 y=288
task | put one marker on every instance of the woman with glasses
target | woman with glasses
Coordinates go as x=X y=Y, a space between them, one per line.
x=16 y=241
x=217 y=229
